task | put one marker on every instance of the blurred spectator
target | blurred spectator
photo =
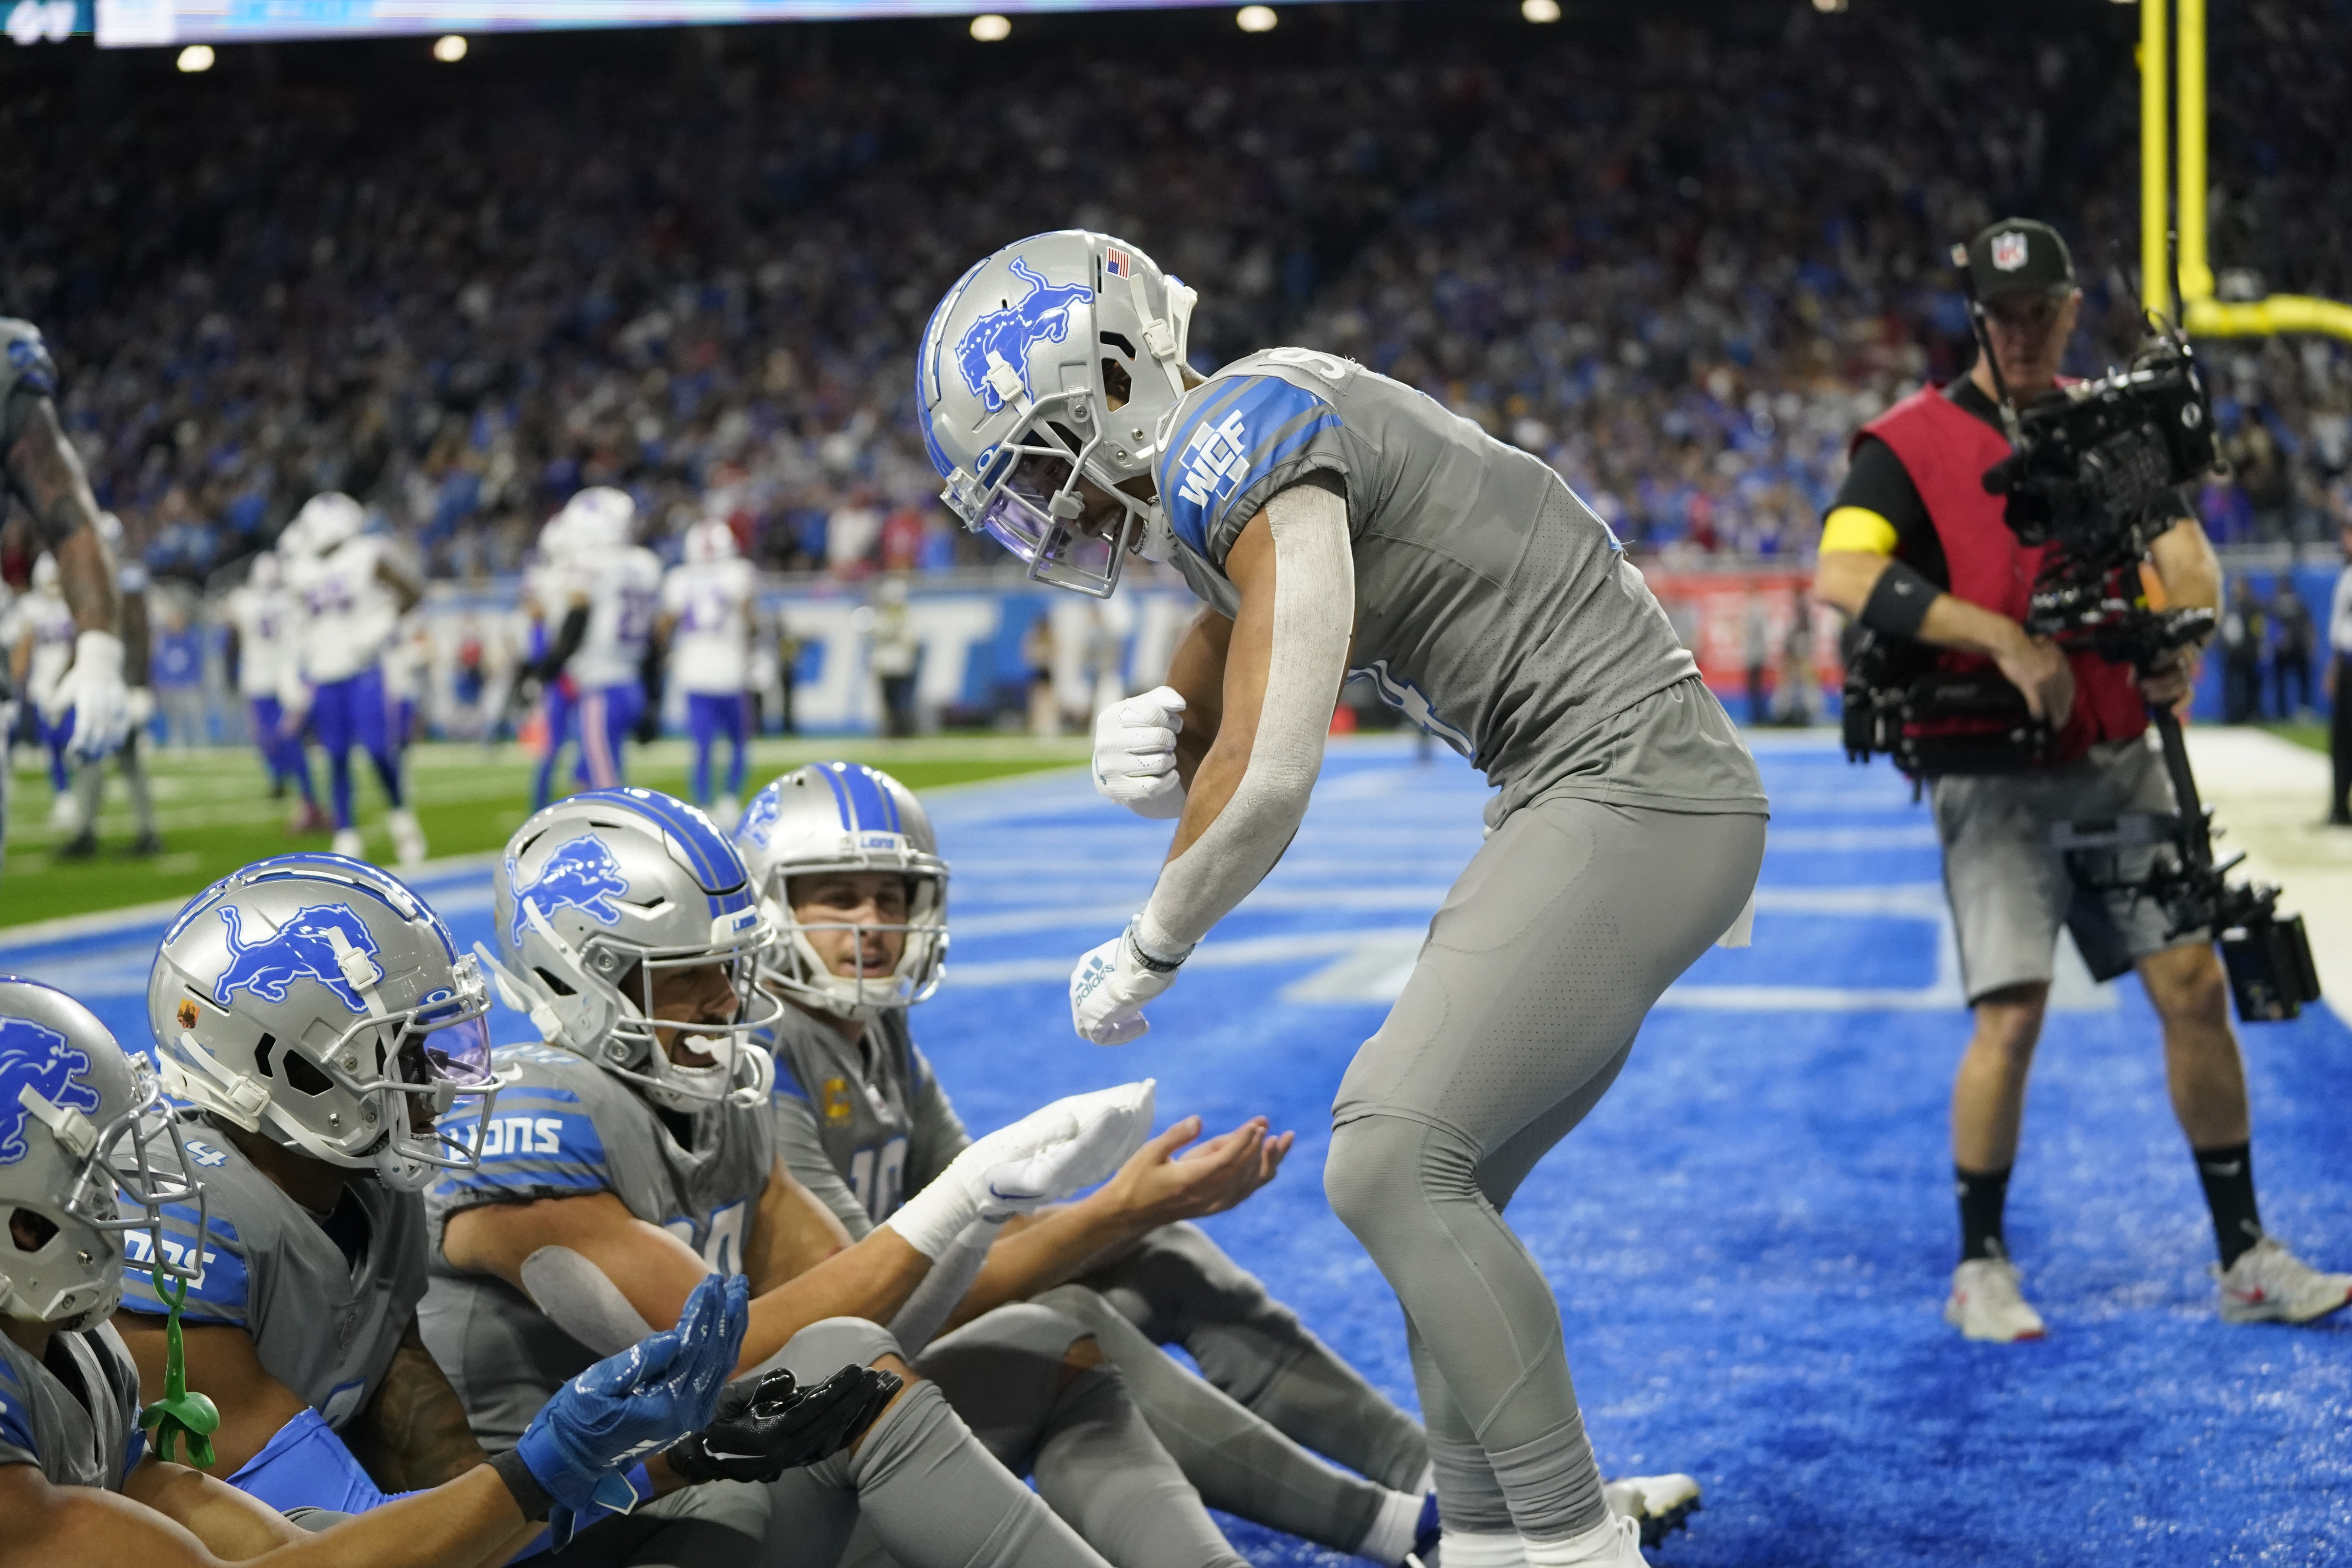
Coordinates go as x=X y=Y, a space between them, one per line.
x=176 y=674
x=1756 y=655
x=893 y=655
x=2294 y=641
x=2337 y=681
x=1037 y=653
x=2245 y=623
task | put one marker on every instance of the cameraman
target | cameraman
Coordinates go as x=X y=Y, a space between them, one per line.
x=1914 y=547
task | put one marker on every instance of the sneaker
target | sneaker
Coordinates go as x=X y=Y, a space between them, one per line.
x=407 y=838
x=349 y=843
x=1615 y=1543
x=1659 y=1504
x=1986 y=1304
x=2268 y=1284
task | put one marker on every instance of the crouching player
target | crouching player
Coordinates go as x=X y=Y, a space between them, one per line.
x=633 y=1153
x=848 y=867
x=301 y=1322
x=84 y=1136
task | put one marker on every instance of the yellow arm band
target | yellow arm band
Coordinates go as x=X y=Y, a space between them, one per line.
x=1858 y=529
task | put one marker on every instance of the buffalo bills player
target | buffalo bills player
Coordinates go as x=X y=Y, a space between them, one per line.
x=261 y=648
x=606 y=643
x=84 y=1136
x=1335 y=524
x=349 y=592
x=705 y=625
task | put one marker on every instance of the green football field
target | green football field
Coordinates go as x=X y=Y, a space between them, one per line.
x=216 y=813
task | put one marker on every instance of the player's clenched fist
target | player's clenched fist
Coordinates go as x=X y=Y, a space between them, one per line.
x=1135 y=753
x=1110 y=986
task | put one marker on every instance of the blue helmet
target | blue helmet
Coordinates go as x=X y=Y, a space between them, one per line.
x=317 y=1000
x=599 y=898
x=81 y=1126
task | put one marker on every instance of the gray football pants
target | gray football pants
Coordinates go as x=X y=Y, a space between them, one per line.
x=1538 y=970
x=924 y=1489
x=90 y=785
x=1268 y=1398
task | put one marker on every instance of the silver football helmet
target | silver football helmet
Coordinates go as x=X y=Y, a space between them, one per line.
x=316 y=1001
x=82 y=1123
x=598 y=897
x=597 y=522
x=844 y=816
x=710 y=540
x=1014 y=384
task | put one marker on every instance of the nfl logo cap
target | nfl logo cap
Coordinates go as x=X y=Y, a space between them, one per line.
x=2019 y=256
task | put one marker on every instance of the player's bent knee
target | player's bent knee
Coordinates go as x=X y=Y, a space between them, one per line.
x=1082 y=1357
x=824 y=1347
x=1383 y=1168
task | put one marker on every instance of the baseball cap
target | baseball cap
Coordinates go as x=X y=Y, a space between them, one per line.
x=2019 y=256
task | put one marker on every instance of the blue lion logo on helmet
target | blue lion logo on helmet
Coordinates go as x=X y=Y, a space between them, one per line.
x=583 y=874
x=35 y=1057
x=302 y=946
x=759 y=817
x=1043 y=316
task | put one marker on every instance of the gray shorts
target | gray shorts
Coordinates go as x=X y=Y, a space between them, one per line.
x=2011 y=889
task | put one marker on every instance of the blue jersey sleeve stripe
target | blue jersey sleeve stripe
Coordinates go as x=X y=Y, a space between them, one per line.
x=788 y=1082
x=1231 y=445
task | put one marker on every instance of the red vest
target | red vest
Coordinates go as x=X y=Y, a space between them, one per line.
x=1946 y=450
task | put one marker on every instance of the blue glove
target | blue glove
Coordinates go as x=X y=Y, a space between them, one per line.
x=635 y=1404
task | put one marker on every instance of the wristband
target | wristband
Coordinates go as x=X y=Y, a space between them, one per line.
x=535 y=1499
x=1898 y=601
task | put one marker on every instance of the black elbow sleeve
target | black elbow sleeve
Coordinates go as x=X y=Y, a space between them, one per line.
x=1897 y=605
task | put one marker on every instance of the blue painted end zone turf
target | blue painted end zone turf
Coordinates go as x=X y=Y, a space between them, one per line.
x=1751 y=1237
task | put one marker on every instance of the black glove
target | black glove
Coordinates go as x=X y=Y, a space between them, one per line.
x=765 y=1428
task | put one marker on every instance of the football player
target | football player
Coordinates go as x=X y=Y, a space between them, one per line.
x=43 y=651
x=85 y=1135
x=1335 y=523
x=633 y=1151
x=848 y=867
x=606 y=643
x=705 y=625
x=552 y=593
x=261 y=645
x=129 y=754
x=349 y=592
x=302 y=1322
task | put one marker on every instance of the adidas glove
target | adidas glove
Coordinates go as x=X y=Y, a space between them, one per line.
x=1110 y=986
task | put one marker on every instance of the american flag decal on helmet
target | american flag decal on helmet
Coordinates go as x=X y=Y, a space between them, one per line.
x=1116 y=263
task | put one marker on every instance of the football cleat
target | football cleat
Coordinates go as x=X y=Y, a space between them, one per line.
x=348 y=844
x=2268 y=1284
x=1986 y=1304
x=407 y=838
x=1659 y=1504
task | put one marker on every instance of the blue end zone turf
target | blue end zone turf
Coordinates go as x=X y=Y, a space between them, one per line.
x=1751 y=1237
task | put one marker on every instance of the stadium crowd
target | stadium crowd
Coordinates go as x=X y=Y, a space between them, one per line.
x=701 y=277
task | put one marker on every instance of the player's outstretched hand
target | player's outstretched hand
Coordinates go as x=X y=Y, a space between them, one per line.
x=769 y=1425
x=1159 y=1185
x=1108 y=989
x=1135 y=753
x=1048 y=1154
x=635 y=1404
x=93 y=689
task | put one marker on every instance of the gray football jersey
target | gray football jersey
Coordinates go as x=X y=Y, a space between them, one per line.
x=323 y=1325
x=93 y=1440
x=566 y=1128
x=1493 y=607
x=861 y=1126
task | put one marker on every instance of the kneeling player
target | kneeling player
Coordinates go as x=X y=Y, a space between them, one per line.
x=301 y=1323
x=849 y=869
x=84 y=1131
x=633 y=1153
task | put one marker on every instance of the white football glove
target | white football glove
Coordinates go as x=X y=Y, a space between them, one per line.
x=1049 y=1153
x=1135 y=753
x=1109 y=988
x=93 y=689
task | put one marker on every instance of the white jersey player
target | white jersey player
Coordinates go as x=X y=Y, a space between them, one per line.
x=610 y=665
x=261 y=615
x=706 y=624
x=349 y=594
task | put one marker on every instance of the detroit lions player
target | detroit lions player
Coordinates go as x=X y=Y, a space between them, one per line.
x=129 y=756
x=349 y=593
x=44 y=649
x=633 y=1151
x=262 y=647
x=614 y=665
x=301 y=1325
x=1336 y=522
x=705 y=625
x=84 y=1131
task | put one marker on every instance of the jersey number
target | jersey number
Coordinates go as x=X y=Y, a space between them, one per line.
x=722 y=1237
x=878 y=1182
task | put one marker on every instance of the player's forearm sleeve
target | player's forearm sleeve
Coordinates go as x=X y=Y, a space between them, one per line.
x=1313 y=613
x=579 y=1299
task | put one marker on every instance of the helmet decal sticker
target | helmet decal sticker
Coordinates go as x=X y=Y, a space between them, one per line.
x=759 y=817
x=302 y=946
x=583 y=874
x=1041 y=316
x=39 y=1058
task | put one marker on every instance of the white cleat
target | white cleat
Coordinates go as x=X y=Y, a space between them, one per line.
x=725 y=812
x=407 y=838
x=349 y=843
x=1659 y=1504
x=2268 y=1284
x=65 y=816
x=1986 y=1304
